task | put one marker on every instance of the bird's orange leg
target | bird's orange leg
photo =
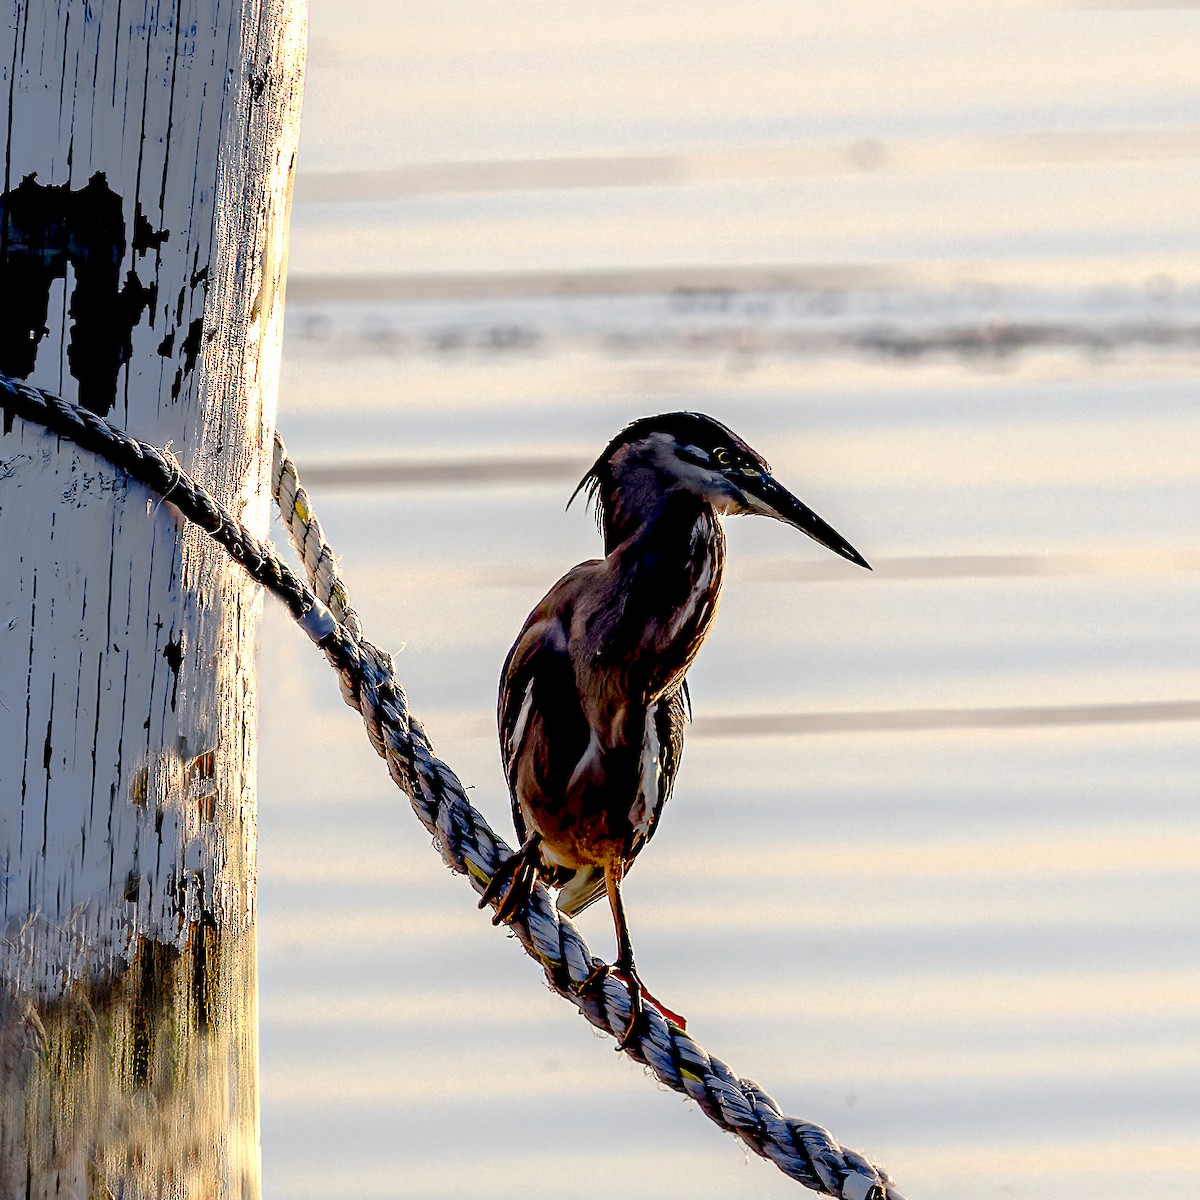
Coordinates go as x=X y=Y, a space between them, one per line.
x=624 y=966
x=518 y=871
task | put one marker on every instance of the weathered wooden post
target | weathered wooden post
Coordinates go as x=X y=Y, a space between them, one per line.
x=147 y=167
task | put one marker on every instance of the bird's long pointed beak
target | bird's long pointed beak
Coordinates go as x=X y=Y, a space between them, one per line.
x=769 y=498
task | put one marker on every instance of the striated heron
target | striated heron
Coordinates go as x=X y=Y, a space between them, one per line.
x=593 y=695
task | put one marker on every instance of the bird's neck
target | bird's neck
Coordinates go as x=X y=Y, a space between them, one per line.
x=671 y=557
x=673 y=531
x=640 y=501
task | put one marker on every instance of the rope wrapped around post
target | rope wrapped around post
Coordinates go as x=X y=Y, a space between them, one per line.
x=800 y=1149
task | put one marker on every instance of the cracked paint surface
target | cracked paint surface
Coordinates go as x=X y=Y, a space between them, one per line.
x=143 y=207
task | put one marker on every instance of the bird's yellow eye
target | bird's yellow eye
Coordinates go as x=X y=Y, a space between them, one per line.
x=723 y=457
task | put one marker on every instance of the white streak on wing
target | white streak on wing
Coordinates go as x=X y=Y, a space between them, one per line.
x=518 y=733
x=642 y=812
x=589 y=761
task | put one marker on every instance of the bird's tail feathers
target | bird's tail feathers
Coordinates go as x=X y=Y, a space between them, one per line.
x=583 y=888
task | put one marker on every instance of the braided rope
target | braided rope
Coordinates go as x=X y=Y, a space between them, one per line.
x=161 y=473
x=320 y=563
x=800 y=1149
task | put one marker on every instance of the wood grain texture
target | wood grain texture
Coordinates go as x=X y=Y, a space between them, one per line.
x=147 y=173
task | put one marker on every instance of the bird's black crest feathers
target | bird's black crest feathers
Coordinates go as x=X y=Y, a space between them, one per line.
x=687 y=428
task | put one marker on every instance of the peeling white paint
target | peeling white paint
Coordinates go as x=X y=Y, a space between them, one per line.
x=127 y=718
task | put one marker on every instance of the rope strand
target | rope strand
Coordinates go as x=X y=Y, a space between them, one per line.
x=802 y=1150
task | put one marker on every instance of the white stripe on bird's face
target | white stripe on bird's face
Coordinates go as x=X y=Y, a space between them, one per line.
x=659 y=454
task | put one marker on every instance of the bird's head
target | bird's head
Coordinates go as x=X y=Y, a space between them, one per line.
x=691 y=452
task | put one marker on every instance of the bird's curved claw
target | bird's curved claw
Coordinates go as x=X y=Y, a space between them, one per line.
x=514 y=877
x=598 y=974
x=639 y=997
x=637 y=1017
x=517 y=895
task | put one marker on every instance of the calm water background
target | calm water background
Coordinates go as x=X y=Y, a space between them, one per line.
x=940 y=263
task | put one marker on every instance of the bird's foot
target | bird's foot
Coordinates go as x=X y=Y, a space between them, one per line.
x=639 y=997
x=503 y=876
x=668 y=1014
x=516 y=896
x=596 y=977
x=514 y=878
